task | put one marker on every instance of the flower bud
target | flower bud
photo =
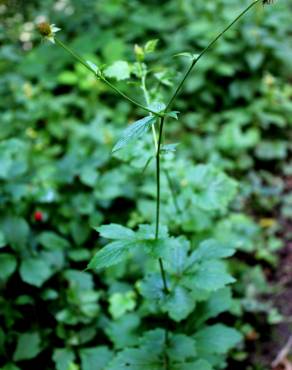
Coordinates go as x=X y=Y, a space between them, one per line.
x=44 y=29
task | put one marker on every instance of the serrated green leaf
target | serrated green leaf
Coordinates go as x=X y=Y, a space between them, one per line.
x=111 y=254
x=28 y=346
x=218 y=339
x=220 y=301
x=179 y=303
x=115 y=232
x=177 y=255
x=134 y=131
x=95 y=358
x=181 y=348
x=120 y=303
x=123 y=332
x=63 y=358
x=210 y=249
x=135 y=359
x=212 y=189
x=119 y=70
x=212 y=275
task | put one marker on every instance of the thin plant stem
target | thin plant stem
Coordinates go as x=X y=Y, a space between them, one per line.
x=162 y=120
x=158 y=141
x=160 y=261
x=196 y=60
x=103 y=79
x=172 y=191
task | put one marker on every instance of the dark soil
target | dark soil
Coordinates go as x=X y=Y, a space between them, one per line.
x=280 y=334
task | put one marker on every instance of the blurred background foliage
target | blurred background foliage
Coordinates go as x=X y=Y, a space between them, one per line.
x=58 y=177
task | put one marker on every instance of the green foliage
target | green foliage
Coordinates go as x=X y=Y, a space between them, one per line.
x=59 y=126
x=134 y=131
x=28 y=346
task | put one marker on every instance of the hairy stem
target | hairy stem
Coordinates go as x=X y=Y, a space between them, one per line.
x=103 y=79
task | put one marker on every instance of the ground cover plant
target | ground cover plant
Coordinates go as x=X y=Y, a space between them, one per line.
x=161 y=278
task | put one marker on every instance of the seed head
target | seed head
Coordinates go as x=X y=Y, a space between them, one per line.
x=47 y=30
x=44 y=29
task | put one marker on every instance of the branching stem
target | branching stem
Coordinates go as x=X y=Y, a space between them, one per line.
x=195 y=61
x=103 y=79
x=161 y=116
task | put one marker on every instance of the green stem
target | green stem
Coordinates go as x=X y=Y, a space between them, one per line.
x=103 y=79
x=162 y=270
x=172 y=191
x=195 y=61
x=162 y=120
x=160 y=261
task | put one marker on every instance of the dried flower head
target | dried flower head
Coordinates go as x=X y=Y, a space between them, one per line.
x=48 y=31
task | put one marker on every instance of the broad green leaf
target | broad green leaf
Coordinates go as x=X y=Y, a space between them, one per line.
x=53 y=241
x=111 y=254
x=116 y=232
x=179 y=303
x=181 y=348
x=177 y=255
x=63 y=358
x=79 y=280
x=119 y=70
x=151 y=288
x=7 y=265
x=134 y=131
x=217 y=339
x=95 y=358
x=123 y=332
x=35 y=271
x=220 y=301
x=16 y=232
x=28 y=346
x=210 y=249
x=212 y=275
x=135 y=359
x=212 y=189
